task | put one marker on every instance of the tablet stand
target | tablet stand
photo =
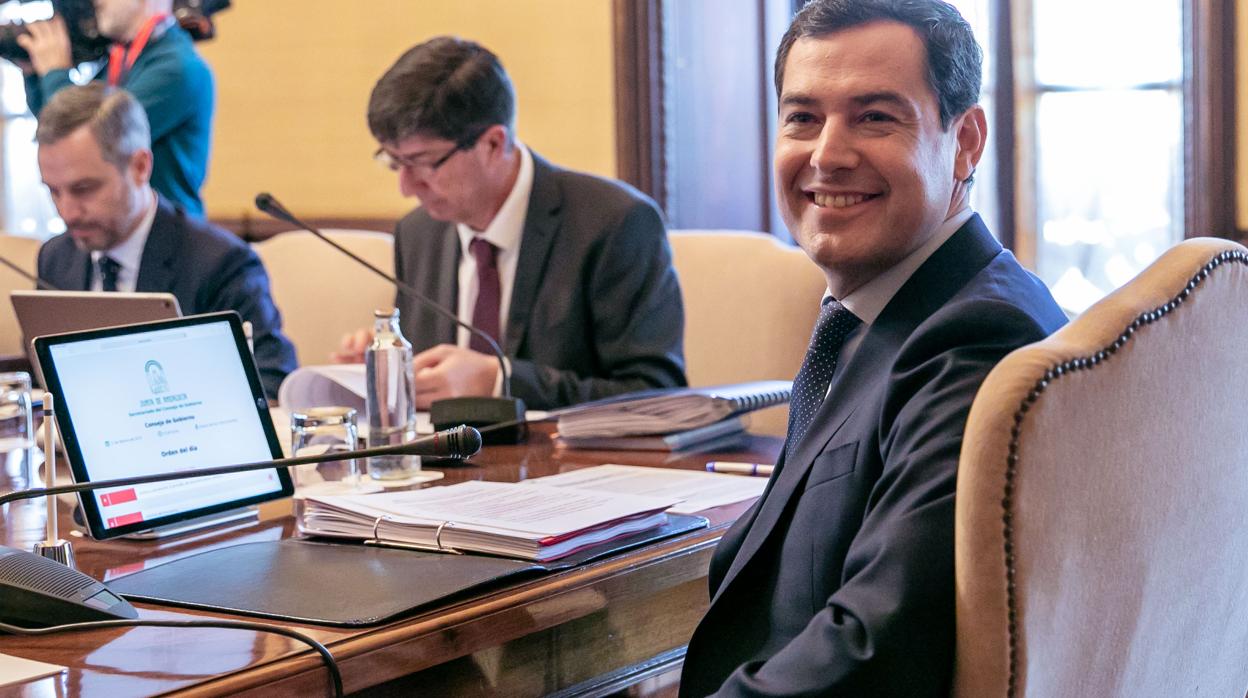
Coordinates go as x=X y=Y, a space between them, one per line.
x=196 y=524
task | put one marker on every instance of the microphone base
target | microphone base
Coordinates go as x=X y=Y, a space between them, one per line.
x=482 y=413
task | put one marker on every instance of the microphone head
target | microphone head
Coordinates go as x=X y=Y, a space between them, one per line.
x=269 y=204
x=464 y=440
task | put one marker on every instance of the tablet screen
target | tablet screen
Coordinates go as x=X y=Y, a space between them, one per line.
x=162 y=397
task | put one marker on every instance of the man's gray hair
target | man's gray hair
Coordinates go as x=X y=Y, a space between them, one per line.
x=115 y=118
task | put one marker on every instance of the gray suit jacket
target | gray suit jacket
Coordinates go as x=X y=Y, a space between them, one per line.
x=206 y=268
x=595 y=310
x=839 y=581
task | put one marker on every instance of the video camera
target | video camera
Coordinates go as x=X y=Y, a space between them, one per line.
x=86 y=43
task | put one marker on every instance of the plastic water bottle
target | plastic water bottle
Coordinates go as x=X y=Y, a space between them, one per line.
x=391 y=410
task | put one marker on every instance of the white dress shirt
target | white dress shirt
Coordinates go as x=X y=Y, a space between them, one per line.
x=504 y=232
x=128 y=254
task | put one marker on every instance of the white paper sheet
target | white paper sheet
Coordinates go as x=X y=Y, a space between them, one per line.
x=696 y=490
x=341 y=385
x=501 y=506
x=16 y=669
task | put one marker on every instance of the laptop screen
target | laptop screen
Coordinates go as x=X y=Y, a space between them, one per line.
x=159 y=397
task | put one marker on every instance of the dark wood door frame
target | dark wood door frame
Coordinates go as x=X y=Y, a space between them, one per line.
x=639 y=139
x=1209 y=119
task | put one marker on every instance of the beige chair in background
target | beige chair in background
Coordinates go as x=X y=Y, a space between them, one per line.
x=323 y=294
x=750 y=305
x=22 y=251
x=1102 y=500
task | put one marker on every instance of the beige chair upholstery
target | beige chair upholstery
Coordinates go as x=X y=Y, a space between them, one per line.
x=321 y=293
x=1102 y=501
x=750 y=305
x=22 y=251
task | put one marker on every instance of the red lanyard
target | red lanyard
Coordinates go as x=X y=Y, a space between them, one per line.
x=121 y=59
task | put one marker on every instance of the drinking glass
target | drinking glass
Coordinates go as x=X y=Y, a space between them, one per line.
x=326 y=430
x=16 y=424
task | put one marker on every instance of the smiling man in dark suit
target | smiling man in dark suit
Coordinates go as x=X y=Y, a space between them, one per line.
x=839 y=581
x=571 y=273
x=95 y=158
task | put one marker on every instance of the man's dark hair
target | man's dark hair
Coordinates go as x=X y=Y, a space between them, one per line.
x=954 y=60
x=447 y=88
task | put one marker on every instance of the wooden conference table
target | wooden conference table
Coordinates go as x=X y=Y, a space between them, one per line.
x=587 y=631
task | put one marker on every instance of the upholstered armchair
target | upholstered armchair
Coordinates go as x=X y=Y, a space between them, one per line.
x=1102 y=501
x=750 y=305
x=321 y=293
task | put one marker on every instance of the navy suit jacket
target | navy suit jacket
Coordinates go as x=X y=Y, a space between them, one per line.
x=839 y=580
x=206 y=268
x=595 y=308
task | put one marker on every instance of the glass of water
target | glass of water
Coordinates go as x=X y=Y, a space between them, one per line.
x=17 y=434
x=326 y=430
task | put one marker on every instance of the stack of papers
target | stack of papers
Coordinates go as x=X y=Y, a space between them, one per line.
x=669 y=411
x=531 y=522
x=722 y=434
x=695 y=490
x=341 y=385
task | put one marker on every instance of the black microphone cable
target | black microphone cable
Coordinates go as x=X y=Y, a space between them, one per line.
x=38 y=282
x=331 y=664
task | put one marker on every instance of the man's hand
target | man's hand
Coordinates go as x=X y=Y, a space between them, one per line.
x=450 y=371
x=351 y=351
x=48 y=46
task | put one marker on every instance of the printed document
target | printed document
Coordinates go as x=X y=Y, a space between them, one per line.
x=696 y=490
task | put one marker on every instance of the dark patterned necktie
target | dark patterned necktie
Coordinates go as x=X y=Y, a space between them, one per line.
x=109 y=269
x=811 y=385
x=489 y=294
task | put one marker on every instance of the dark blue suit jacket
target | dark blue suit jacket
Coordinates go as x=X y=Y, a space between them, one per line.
x=839 y=581
x=206 y=268
x=595 y=307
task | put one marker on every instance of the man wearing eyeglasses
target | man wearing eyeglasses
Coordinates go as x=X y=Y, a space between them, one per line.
x=571 y=273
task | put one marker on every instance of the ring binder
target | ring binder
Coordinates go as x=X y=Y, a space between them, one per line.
x=512 y=519
x=437 y=547
x=437 y=537
x=376 y=523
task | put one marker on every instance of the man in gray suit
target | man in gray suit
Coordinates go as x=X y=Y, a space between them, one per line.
x=571 y=273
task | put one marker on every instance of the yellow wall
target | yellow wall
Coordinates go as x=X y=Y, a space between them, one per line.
x=293 y=79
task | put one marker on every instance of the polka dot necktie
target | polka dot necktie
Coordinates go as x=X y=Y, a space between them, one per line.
x=811 y=385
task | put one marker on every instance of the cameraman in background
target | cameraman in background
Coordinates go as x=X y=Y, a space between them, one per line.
x=153 y=59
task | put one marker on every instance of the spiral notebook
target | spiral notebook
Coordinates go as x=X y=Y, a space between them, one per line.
x=667 y=411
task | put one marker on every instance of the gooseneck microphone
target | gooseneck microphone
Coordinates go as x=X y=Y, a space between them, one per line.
x=38 y=282
x=505 y=414
x=458 y=443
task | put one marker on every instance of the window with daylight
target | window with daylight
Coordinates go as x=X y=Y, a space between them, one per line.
x=1111 y=125
x=1111 y=150
x=25 y=207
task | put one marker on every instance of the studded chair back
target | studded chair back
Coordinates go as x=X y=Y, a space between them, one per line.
x=1102 y=501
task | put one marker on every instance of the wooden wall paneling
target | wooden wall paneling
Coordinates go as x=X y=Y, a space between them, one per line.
x=1209 y=98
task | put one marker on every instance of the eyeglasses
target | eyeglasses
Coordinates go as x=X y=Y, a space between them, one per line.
x=423 y=168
